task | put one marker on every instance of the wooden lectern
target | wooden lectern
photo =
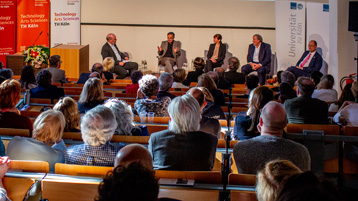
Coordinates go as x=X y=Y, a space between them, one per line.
x=75 y=59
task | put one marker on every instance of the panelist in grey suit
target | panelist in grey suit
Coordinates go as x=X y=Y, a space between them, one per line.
x=168 y=52
x=58 y=75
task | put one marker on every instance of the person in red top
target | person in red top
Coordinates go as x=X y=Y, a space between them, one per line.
x=135 y=77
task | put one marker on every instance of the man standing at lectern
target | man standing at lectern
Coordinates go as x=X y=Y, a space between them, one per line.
x=121 y=62
x=310 y=61
x=168 y=52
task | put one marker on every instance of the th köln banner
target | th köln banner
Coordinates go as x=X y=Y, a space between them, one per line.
x=290 y=32
x=32 y=23
x=7 y=28
x=65 y=22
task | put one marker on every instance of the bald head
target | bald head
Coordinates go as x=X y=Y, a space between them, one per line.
x=111 y=38
x=273 y=119
x=134 y=153
x=198 y=95
x=220 y=71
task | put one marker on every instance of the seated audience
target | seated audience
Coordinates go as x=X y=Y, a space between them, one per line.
x=91 y=95
x=222 y=83
x=6 y=73
x=129 y=183
x=97 y=67
x=27 y=79
x=10 y=116
x=325 y=91
x=308 y=187
x=134 y=153
x=276 y=81
x=4 y=167
x=316 y=77
x=199 y=64
x=288 y=77
x=346 y=95
x=206 y=81
x=97 y=128
x=1 y=65
x=165 y=83
x=207 y=124
x=179 y=76
x=124 y=117
x=286 y=92
x=252 y=155
x=46 y=143
x=58 y=75
x=246 y=126
x=108 y=64
x=347 y=114
x=183 y=146
x=271 y=177
x=69 y=109
x=233 y=76
x=211 y=110
x=44 y=87
x=251 y=82
x=148 y=87
x=135 y=77
x=304 y=109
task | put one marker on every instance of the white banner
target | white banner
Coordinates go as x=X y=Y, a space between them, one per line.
x=318 y=30
x=65 y=22
x=290 y=32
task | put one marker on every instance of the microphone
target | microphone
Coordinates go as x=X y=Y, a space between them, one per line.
x=37 y=38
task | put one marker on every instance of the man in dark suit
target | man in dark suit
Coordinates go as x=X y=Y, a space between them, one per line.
x=258 y=58
x=168 y=52
x=304 y=109
x=310 y=61
x=58 y=75
x=121 y=62
x=216 y=54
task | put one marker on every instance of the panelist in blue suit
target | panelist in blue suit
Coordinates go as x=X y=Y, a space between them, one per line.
x=310 y=61
x=258 y=58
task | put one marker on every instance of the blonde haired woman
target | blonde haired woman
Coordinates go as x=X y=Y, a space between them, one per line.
x=46 y=143
x=91 y=96
x=69 y=109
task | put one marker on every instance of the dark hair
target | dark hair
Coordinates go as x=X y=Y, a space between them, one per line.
x=1 y=65
x=6 y=73
x=218 y=36
x=171 y=33
x=199 y=63
x=27 y=76
x=136 y=76
x=315 y=42
x=346 y=95
x=132 y=183
x=259 y=37
x=286 y=92
x=234 y=64
x=44 y=77
x=279 y=76
x=97 y=67
x=305 y=86
x=287 y=76
x=307 y=187
x=252 y=81
x=316 y=76
x=54 y=60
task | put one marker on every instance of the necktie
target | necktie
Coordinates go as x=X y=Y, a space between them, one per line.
x=305 y=61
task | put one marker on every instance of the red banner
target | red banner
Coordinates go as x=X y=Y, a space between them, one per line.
x=7 y=28
x=32 y=23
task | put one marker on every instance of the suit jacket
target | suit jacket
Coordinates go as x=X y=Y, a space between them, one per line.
x=222 y=53
x=192 y=151
x=164 y=46
x=108 y=52
x=192 y=77
x=306 y=110
x=49 y=91
x=235 y=77
x=264 y=55
x=315 y=64
x=58 y=75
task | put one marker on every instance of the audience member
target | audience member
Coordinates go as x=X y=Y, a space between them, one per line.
x=58 y=75
x=304 y=109
x=108 y=64
x=270 y=179
x=134 y=153
x=325 y=91
x=233 y=76
x=179 y=76
x=10 y=116
x=69 y=109
x=346 y=95
x=348 y=113
x=46 y=143
x=165 y=83
x=199 y=64
x=1 y=65
x=97 y=67
x=207 y=124
x=277 y=82
x=135 y=77
x=97 y=128
x=206 y=81
x=246 y=126
x=91 y=95
x=4 y=167
x=316 y=77
x=182 y=146
x=211 y=110
x=129 y=183
x=148 y=86
x=124 y=117
x=6 y=73
x=308 y=187
x=27 y=79
x=288 y=77
x=251 y=82
x=286 y=92
x=222 y=83
x=252 y=155
x=44 y=87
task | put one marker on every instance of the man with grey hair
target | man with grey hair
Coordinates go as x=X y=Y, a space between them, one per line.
x=288 y=77
x=165 y=83
x=222 y=83
x=304 y=109
x=252 y=155
x=233 y=76
x=182 y=146
x=58 y=75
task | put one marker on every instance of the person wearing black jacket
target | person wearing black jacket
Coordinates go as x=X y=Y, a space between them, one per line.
x=216 y=54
